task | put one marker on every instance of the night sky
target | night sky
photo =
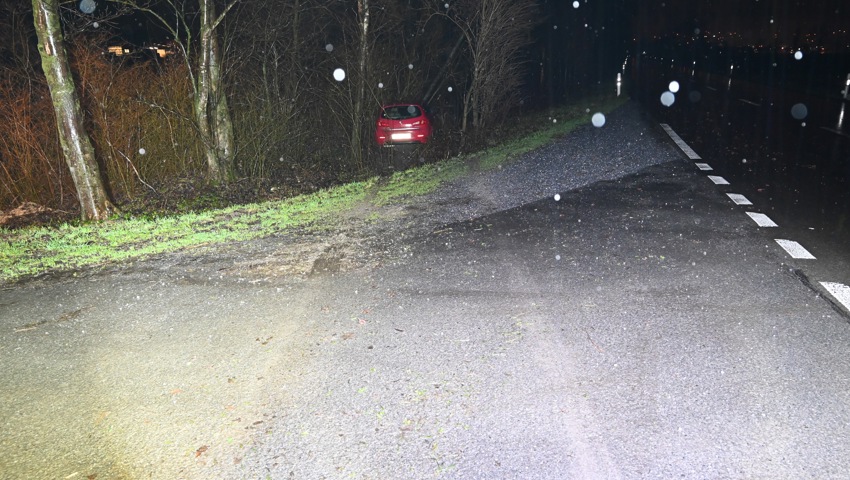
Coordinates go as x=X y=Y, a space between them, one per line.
x=756 y=21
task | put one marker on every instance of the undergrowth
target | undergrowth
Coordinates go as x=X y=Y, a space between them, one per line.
x=31 y=251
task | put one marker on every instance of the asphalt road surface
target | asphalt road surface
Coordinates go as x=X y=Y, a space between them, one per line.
x=637 y=325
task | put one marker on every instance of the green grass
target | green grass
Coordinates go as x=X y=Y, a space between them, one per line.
x=31 y=251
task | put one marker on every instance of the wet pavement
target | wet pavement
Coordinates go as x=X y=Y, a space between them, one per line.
x=784 y=148
x=638 y=324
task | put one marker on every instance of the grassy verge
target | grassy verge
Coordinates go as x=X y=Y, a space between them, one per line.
x=31 y=251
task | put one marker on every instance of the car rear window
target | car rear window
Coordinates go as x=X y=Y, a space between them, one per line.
x=401 y=112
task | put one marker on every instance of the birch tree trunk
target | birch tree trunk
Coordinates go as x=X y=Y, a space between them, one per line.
x=76 y=144
x=211 y=109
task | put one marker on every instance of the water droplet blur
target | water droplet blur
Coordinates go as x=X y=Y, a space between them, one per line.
x=598 y=119
x=557 y=197
x=554 y=120
x=798 y=55
x=339 y=74
x=694 y=96
x=555 y=27
x=557 y=257
x=446 y=5
x=674 y=86
x=450 y=89
x=410 y=66
x=667 y=99
x=88 y=6
x=799 y=111
x=380 y=84
x=329 y=47
x=142 y=151
x=575 y=4
x=95 y=24
x=411 y=110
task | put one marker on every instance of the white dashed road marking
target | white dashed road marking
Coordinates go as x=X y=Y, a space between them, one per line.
x=840 y=291
x=762 y=220
x=739 y=199
x=681 y=143
x=795 y=249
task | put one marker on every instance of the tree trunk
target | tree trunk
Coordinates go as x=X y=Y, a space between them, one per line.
x=211 y=109
x=76 y=144
x=357 y=124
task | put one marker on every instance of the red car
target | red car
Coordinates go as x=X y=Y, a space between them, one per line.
x=402 y=123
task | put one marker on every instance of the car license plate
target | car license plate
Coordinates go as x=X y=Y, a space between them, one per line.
x=401 y=136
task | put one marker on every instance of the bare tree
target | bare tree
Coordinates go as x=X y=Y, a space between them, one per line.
x=495 y=32
x=76 y=145
x=212 y=113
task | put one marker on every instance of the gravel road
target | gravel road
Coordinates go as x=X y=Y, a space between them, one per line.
x=637 y=327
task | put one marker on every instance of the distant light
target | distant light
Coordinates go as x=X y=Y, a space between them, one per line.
x=674 y=86
x=339 y=74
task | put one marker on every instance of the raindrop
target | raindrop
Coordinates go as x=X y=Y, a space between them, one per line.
x=142 y=151
x=450 y=89
x=339 y=74
x=410 y=66
x=329 y=47
x=87 y=6
x=667 y=99
x=799 y=111
x=694 y=96
x=598 y=120
x=798 y=55
x=380 y=84
x=557 y=197
x=575 y=4
x=674 y=86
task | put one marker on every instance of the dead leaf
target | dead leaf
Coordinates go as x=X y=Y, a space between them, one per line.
x=201 y=450
x=348 y=335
